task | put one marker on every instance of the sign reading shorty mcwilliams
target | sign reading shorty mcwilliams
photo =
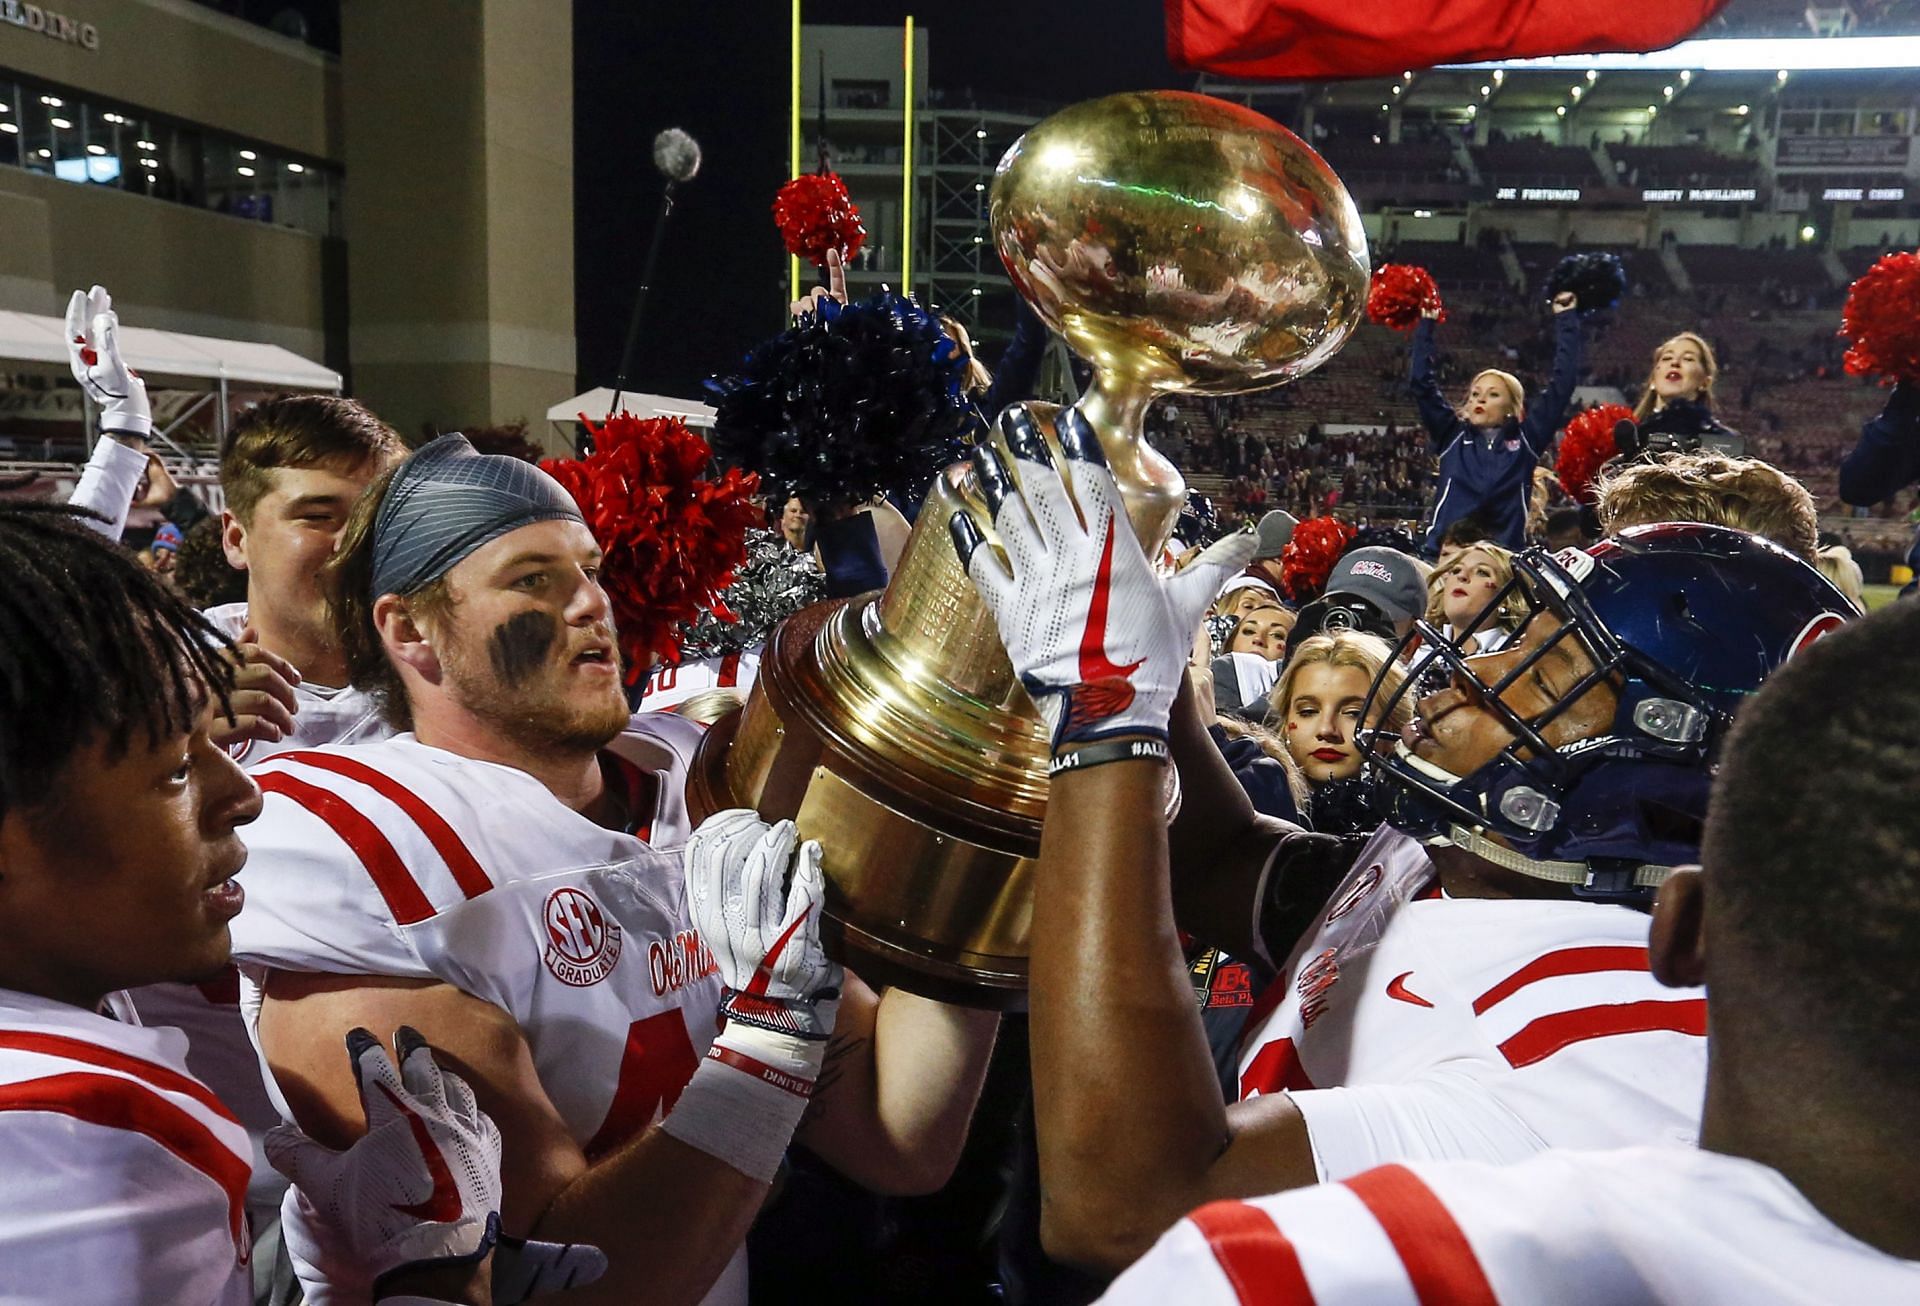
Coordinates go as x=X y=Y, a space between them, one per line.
x=49 y=22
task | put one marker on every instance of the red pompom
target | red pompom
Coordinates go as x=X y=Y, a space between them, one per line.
x=815 y=214
x=1398 y=295
x=1882 y=318
x=672 y=536
x=1308 y=560
x=1587 y=443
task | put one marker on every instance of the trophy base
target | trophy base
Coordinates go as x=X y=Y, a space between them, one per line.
x=921 y=894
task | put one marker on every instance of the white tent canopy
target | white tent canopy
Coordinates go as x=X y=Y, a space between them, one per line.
x=31 y=338
x=594 y=404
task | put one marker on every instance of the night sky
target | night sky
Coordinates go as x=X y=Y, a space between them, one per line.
x=719 y=70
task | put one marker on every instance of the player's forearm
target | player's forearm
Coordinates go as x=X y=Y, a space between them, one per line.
x=668 y=1215
x=898 y=1089
x=1129 y=1113
x=930 y=1059
x=109 y=480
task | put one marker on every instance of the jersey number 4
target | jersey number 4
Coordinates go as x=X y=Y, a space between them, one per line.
x=658 y=1062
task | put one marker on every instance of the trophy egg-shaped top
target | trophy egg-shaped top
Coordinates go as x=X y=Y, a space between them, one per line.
x=1181 y=241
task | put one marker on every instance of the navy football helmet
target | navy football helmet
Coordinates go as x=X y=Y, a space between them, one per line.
x=1683 y=621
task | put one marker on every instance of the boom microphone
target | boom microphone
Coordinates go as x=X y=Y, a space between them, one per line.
x=677 y=156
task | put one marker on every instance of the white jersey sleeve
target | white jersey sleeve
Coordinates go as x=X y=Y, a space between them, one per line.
x=125 y=1179
x=334 y=869
x=107 y=485
x=1634 y=1227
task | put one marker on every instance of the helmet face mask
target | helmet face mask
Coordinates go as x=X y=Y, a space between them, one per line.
x=1676 y=623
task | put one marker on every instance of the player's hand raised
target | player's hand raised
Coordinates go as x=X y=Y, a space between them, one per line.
x=1098 y=638
x=93 y=352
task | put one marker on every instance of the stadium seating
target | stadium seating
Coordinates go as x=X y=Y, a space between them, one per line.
x=1681 y=165
x=1535 y=162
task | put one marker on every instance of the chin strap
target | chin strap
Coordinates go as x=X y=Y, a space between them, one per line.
x=1470 y=840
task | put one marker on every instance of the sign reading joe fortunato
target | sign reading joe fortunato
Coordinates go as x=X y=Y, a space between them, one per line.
x=47 y=22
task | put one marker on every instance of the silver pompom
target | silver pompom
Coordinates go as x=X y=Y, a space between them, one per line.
x=775 y=583
x=676 y=154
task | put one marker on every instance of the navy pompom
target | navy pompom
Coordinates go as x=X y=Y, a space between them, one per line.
x=1597 y=280
x=851 y=402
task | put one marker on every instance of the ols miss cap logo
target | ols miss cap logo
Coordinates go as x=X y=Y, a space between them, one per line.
x=582 y=942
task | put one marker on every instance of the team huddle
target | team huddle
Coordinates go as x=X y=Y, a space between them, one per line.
x=396 y=804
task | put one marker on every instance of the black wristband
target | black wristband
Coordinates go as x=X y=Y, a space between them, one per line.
x=1118 y=750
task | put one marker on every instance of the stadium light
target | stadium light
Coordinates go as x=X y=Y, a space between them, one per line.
x=1667 y=91
x=1743 y=109
x=1559 y=110
x=1807 y=234
x=1784 y=55
x=1486 y=90
x=1385 y=109
x=1499 y=75
x=1686 y=76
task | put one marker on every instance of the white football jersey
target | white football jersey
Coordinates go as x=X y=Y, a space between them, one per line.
x=1412 y=1027
x=122 y=1178
x=398 y=859
x=324 y=716
x=209 y=1014
x=1640 y=1226
x=668 y=686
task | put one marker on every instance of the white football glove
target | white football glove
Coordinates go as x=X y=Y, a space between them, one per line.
x=421 y=1189
x=783 y=992
x=93 y=352
x=1097 y=637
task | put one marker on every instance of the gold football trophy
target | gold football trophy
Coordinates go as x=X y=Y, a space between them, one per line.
x=1182 y=245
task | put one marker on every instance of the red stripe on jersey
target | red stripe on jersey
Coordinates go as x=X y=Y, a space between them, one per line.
x=384 y=867
x=1255 y=1256
x=1435 y=1254
x=155 y=1074
x=467 y=872
x=1567 y=961
x=729 y=671
x=115 y=1103
x=1275 y=1068
x=1542 y=1038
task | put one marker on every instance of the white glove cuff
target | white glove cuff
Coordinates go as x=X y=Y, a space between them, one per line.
x=746 y=1099
x=127 y=423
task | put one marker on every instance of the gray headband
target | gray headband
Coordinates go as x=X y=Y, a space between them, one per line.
x=448 y=500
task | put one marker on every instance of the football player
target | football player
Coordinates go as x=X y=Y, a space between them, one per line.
x=505 y=877
x=1475 y=983
x=291 y=469
x=124 y=1177
x=1803 y=921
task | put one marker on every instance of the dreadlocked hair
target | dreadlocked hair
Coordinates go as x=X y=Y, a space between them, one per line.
x=92 y=646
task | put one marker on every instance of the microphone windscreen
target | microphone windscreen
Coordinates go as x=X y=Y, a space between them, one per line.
x=676 y=154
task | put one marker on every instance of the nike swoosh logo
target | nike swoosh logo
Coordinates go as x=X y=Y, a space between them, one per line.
x=1397 y=988
x=443 y=1203
x=1094 y=663
x=763 y=974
